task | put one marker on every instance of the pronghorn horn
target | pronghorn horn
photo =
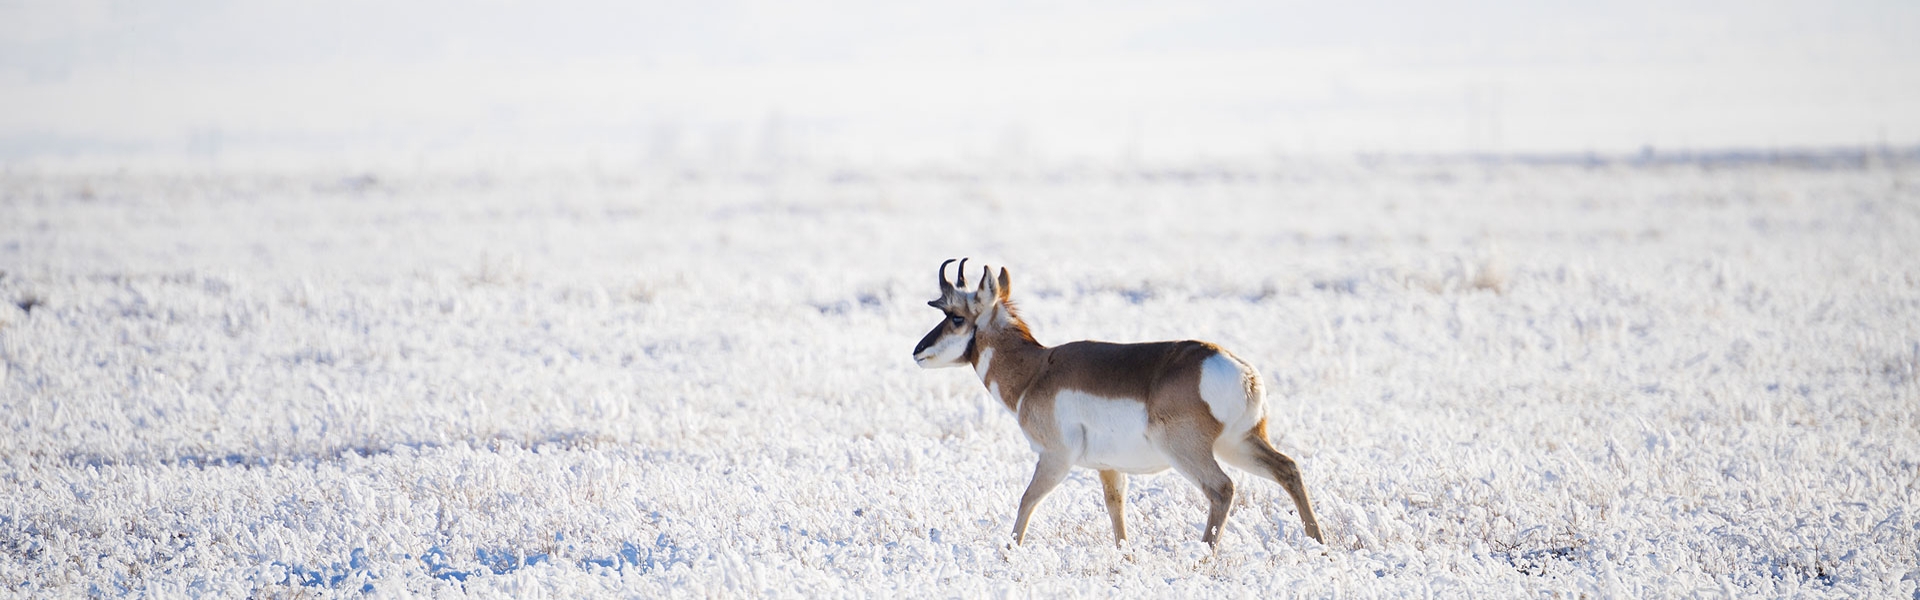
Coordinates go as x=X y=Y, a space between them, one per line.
x=960 y=276
x=945 y=288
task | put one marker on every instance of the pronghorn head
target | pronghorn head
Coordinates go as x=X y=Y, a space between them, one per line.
x=951 y=343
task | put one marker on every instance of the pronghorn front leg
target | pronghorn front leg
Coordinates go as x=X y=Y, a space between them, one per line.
x=1051 y=470
x=1114 y=484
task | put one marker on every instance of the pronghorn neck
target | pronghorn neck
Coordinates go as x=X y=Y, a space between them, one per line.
x=1006 y=356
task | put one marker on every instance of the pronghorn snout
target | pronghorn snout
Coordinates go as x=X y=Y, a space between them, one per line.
x=945 y=346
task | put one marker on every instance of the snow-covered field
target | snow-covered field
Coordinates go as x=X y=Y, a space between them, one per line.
x=1501 y=380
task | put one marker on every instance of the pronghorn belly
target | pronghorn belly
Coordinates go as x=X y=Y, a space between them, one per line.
x=1106 y=433
x=1232 y=392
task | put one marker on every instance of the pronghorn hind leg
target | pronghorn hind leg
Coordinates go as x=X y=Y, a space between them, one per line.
x=1192 y=455
x=1047 y=474
x=1114 y=485
x=1256 y=455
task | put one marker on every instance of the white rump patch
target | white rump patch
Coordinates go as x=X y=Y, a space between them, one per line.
x=1229 y=396
x=1106 y=433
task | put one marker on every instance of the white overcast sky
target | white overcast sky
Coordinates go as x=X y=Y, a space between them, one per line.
x=902 y=81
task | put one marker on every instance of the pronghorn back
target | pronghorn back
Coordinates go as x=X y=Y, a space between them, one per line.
x=1104 y=403
x=1168 y=377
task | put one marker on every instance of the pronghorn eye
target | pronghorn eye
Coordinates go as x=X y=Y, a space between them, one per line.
x=957 y=321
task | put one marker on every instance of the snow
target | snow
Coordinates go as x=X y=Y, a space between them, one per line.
x=1500 y=379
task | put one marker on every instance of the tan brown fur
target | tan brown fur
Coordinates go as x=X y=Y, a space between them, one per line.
x=1113 y=489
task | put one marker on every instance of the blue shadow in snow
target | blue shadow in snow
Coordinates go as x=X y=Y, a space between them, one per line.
x=329 y=576
x=643 y=559
x=631 y=557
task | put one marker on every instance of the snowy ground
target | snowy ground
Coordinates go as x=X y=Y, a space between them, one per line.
x=1501 y=380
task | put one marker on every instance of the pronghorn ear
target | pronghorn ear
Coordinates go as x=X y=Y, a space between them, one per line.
x=1005 y=285
x=983 y=296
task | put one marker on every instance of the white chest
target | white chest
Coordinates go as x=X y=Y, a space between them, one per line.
x=1106 y=433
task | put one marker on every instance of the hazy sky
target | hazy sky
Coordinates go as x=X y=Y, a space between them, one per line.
x=893 y=81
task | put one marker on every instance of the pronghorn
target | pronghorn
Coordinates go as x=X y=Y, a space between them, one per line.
x=1115 y=408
